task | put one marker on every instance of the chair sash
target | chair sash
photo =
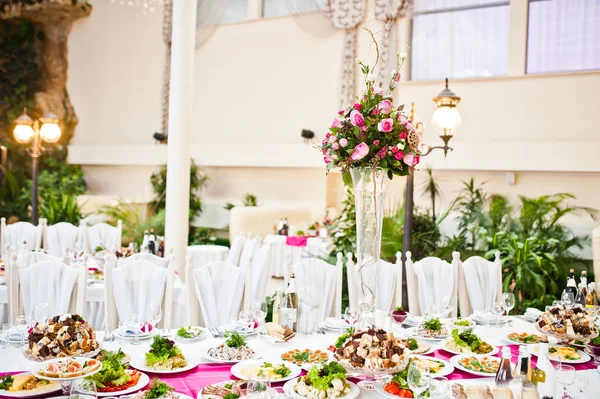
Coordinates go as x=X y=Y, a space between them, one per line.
x=155 y=260
x=316 y=286
x=250 y=247
x=50 y=282
x=219 y=288
x=482 y=280
x=136 y=285
x=201 y=255
x=103 y=235
x=22 y=236
x=29 y=258
x=59 y=238
x=235 y=251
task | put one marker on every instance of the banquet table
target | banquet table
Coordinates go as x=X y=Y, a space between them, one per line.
x=287 y=251
x=207 y=372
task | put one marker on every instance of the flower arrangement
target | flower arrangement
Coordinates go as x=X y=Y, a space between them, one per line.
x=372 y=133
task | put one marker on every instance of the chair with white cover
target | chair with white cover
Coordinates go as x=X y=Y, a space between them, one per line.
x=219 y=289
x=29 y=258
x=133 y=286
x=203 y=254
x=60 y=238
x=479 y=284
x=101 y=235
x=61 y=286
x=235 y=251
x=155 y=260
x=21 y=236
x=388 y=290
x=259 y=276
x=318 y=286
x=250 y=247
x=431 y=282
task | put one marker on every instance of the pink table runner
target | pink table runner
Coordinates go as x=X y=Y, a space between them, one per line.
x=192 y=381
x=297 y=241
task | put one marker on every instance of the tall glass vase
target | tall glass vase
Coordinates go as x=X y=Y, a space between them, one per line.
x=370 y=185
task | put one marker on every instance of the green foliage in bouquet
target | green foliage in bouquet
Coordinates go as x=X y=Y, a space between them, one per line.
x=343 y=228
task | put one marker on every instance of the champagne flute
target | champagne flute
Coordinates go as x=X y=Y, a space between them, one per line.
x=351 y=316
x=566 y=377
x=135 y=324
x=508 y=303
x=581 y=383
x=418 y=378
x=259 y=310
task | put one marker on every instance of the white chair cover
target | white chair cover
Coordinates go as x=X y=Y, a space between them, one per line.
x=136 y=285
x=50 y=282
x=21 y=236
x=29 y=258
x=260 y=274
x=235 y=251
x=203 y=254
x=103 y=235
x=219 y=288
x=433 y=280
x=481 y=281
x=59 y=238
x=384 y=276
x=317 y=286
x=155 y=260
x=250 y=247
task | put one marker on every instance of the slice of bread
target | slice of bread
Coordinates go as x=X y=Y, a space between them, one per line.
x=502 y=393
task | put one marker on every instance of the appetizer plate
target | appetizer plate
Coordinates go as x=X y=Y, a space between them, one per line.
x=130 y=336
x=450 y=324
x=334 y=324
x=206 y=354
x=142 y=382
x=412 y=332
x=41 y=391
x=492 y=352
x=584 y=356
x=288 y=389
x=446 y=369
x=201 y=331
x=424 y=348
x=455 y=361
x=80 y=360
x=139 y=362
x=314 y=356
x=213 y=396
x=244 y=370
x=380 y=387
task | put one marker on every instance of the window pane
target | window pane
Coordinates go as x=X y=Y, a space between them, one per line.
x=237 y=10
x=563 y=36
x=432 y=5
x=277 y=8
x=460 y=44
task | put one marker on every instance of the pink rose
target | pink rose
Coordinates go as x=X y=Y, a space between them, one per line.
x=341 y=112
x=409 y=126
x=382 y=153
x=343 y=142
x=363 y=128
x=395 y=149
x=375 y=111
x=402 y=119
x=399 y=155
x=356 y=118
x=336 y=123
x=335 y=146
x=417 y=160
x=386 y=125
x=376 y=142
x=403 y=136
x=378 y=90
x=396 y=75
x=326 y=159
x=360 y=151
x=411 y=160
x=333 y=139
x=327 y=135
x=357 y=106
x=385 y=106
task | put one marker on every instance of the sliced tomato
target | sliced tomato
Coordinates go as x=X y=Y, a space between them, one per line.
x=405 y=393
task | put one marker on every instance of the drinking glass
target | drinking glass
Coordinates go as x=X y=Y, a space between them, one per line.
x=418 y=378
x=508 y=303
x=22 y=325
x=259 y=311
x=498 y=311
x=566 y=377
x=439 y=388
x=247 y=321
x=259 y=388
x=351 y=316
x=6 y=328
x=153 y=315
x=568 y=299
x=41 y=312
x=446 y=306
x=581 y=383
x=135 y=324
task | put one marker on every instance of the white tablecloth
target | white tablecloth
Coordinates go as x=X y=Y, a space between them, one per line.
x=283 y=256
x=11 y=359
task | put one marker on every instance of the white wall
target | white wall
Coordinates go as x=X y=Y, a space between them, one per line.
x=259 y=83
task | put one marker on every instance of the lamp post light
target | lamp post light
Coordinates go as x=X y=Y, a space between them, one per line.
x=446 y=118
x=29 y=131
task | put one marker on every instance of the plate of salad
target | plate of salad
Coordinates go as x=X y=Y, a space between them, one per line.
x=431 y=329
x=265 y=371
x=159 y=390
x=113 y=378
x=164 y=357
x=466 y=341
x=191 y=333
x=326 y=381
x=396 y=385
x=523 y=338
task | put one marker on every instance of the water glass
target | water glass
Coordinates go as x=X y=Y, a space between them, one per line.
x=418 y=378
x=22 y=325
x=259 y=311
x=247 y=321
x=306 y=318
x=135 y=325
x=439 y=388
x=259 y=388
x=581 y=383
x=41 y=312
x=153 y=315
x=6 y=329
x=351 y=316
x=508 y=302
x=566 y=377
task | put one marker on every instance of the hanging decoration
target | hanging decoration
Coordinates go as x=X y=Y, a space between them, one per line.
x=386 y=11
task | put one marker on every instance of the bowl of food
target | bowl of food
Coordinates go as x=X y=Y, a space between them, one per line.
x=398 y=315
x=593 y=349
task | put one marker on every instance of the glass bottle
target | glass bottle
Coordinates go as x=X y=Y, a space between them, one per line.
x=580 y=297
x=571 y=286
x=589 y=298
x=504 y=374
x=287 y=313
x=544 y=375
x=277 y=308
x=523 y=368
x=583 y=281
x=144 y=247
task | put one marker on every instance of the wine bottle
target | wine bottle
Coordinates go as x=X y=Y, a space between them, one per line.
x=504 y=374
x=572 y=287
x=288 y=312
x=589 y=298
x=594 y=294
x=152 y=242
x=544 y=375
x=277 y=307
x=144 y=247
x=583 y=281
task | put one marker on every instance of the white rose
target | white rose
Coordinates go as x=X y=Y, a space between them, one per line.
x=403 y=56
x=371 y=77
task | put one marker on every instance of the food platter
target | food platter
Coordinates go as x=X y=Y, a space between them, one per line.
x=42 y=370
x=139 y=362
x=190 y=333
x=208 y=354
x=247 y=369
x=559 y=355
x=81 y=386
x=288 y=389
x=489 y=362
x=446 y=367
x=43 y=390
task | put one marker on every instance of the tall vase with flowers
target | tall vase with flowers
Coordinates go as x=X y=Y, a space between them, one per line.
x=371 y=141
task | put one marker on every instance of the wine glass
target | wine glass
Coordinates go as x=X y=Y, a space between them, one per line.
x=508 y=303
x=40 y=312
x=153 y=315
x=6 y=329
x=418 y=378
x=135 y=324
x=439 y=388
x=22 y=325
x=246 y=320
x=568 y=299
x=446 y=306
x=259 y=310
x=351 y=316
x=259 y=388
x=566 y=377
x=581 y=383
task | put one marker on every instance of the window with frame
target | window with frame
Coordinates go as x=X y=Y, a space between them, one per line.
x=213 y=12
x=278 y=8
x=459 y=39
x=563 y=35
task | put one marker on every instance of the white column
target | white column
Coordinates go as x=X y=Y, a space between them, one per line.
x=517 y=45
x=181 y=100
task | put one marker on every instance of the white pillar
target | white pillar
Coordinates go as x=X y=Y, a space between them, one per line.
x=181 y=100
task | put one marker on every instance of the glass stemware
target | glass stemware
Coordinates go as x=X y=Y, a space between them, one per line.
x=41 y=312
x=581 y=383
x=153 y=315
x=259 y=311
x=566 y=377
x=439 y=388
x=247 y=321
x=6 y=329
x=351 y=316
x=508 y=303
x=22 y=325
x=568 y=299
x=259 y=388
x=418 y=378
x=135 y=324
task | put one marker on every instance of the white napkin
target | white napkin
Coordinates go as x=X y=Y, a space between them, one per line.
x=533 y=312
x=335 y=323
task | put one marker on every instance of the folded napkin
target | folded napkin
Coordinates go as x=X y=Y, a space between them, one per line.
x=14 y=335
x=335 y=323
x=296 y=241
x=237 y=327
x=533 y=312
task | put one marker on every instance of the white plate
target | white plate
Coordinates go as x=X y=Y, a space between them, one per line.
x=31 y=394
x=13 y=338
x=450 y=324
x=213 y=359
x=202 y=335
x=584 y=356
x=142 y=382
x=139 y=362
x=493 y=352
x=334 y=324
x=288 y=389
x=431 y=349
x=244 y=331
x=448 y=368
x=412 y=332
x=380 y=387
x=454 y=361
x=69 y=397
x=220 y=384
x=81 y=360
x=237 y=369
x=119 y=334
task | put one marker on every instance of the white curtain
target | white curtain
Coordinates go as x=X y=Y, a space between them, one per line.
x=563 y=36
